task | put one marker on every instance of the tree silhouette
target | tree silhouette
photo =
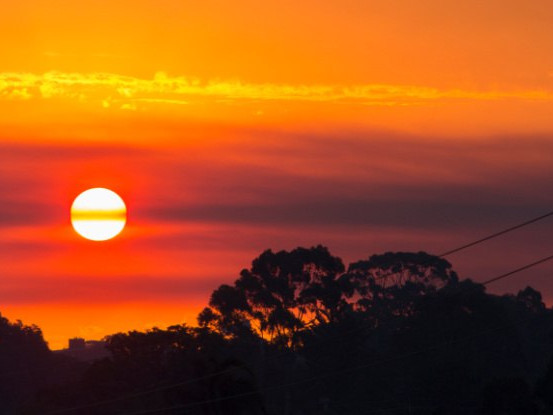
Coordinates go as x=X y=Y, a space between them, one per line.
x=386 y=285
x=281 y=294
x=22 y=351
x=511 y=396
x=296 y=334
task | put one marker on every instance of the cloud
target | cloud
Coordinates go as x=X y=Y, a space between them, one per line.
x=108 y=289
x=163 y=89
x=203 y=211
x=375 y=180
x=287 y=180
x=446 y=210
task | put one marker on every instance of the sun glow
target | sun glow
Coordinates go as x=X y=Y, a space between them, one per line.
x=98 y=214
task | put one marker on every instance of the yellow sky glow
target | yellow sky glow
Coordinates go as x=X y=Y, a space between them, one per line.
x=222 y=123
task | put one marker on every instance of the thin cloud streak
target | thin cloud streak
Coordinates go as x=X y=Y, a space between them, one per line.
x=125 y=91
x=198 y=214
x=366 y=181
x=108 y=289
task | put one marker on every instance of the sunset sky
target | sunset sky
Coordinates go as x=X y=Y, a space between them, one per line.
x=233 y=127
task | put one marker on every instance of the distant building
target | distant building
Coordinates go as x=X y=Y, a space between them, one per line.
x=77 y=343
x=85 y=350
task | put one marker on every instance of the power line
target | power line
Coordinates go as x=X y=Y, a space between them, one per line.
x=458 y=249
x=525 y=267
x=495 y=235
x=190 y=381
x=172 y=386
x=481 y=240
x=333 y=373
x=454 y=359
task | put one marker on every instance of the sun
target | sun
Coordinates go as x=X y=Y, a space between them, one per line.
x=98 y=214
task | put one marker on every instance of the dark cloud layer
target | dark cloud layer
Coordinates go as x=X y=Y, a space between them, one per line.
x=447 y=210
x=109 y=289
x=371 y=179
x=360 y=193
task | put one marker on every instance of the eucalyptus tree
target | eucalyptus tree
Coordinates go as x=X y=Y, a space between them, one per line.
x=280 y=294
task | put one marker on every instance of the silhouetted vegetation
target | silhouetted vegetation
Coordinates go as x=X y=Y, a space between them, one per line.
x=27 y=365
x=300 y=333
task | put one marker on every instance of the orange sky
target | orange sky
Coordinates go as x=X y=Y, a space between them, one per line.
x=232 y=127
